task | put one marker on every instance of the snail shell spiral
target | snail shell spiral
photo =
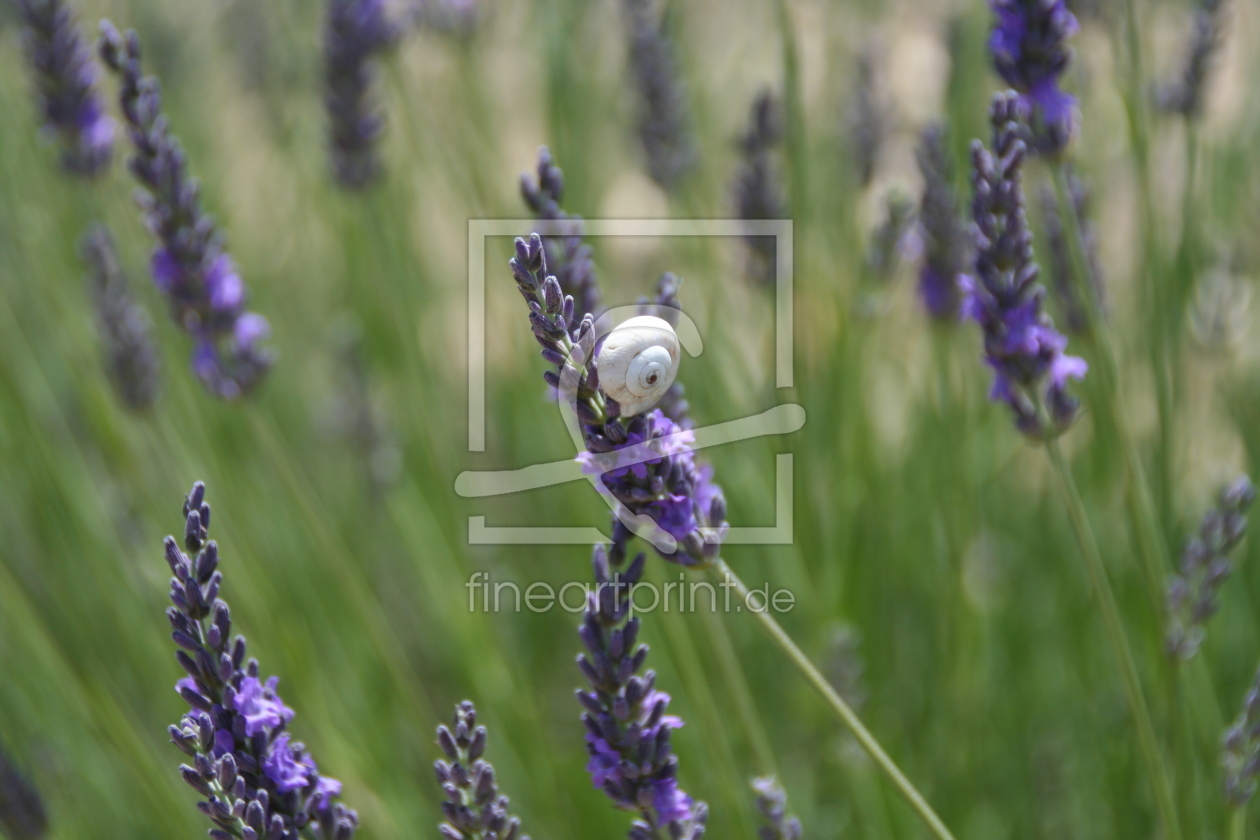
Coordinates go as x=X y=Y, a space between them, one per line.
x=638 y=363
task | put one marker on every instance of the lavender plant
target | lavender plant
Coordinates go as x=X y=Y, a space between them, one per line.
x=644 y=462
x=190 y=264
x=22 y=812
x=1240 y=756
x=668 y=147
x=867 y=122
x=126 y=332
x=946 y=244
x=627 y=728
x=889 y=241
x=568 y=257
x=772 y=804
x=474 y=809
x=257 y=782
x=758 y=189
x=1184 y=95
x=64 y=76
x=1022 y=347
x=1059 y=253
x=1029 y=48
x=355 y=32
x=1204 y=567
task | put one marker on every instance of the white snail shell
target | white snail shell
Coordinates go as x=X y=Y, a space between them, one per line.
x=638 y=363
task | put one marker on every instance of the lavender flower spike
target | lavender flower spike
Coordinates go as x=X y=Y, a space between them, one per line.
x=1241 y=753
x=1020 y=343
x=1030 y=53
x=1059 y=253
x=65 y=86
x=667 y=142
x=568 y=257
x=130 y=350
x=1184 y=95
x=474 y=809
x=189 y=264
x=354 y=32
x=627 y=729
x=22 y=814
x=758 y=193
x=772 y=803
x=1204 y=567
x=256 y=781
x=946 y=246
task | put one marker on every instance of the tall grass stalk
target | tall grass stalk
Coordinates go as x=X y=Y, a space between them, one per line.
x=1146 y=529
x=842 y=709
x=1101 y=585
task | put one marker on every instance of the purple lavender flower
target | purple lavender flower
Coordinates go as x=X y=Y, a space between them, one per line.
x=354 y=32
x=65 y=86
x=1241 y=753
x=667 y=486
x=126 y=332
x=257 y=782
x=1184 y=95
x=673 y=404
x=1059 y=255
x=474 y=809
x=772 y=803
x=189 y=264
x=1030 y=368
x=568 y=258
x=1030 y=53
x=1204 y=567
x=890 y=241
x=867 y=121
x=627 y=728
x=946 y=245
x=22 y=814
x=758 y=192
x=662 y=119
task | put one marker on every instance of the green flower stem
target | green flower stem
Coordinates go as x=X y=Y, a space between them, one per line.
x=1238 y=823
x=1097 y=572
x=1146 y=529
x=842 y=709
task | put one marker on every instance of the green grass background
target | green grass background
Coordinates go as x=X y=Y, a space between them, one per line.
x=923 y=523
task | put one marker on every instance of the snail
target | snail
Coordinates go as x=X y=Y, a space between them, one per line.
x=638 y=363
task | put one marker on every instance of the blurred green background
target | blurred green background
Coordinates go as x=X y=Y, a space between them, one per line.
x=935 y=574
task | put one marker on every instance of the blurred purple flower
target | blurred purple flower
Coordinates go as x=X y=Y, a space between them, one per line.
x=474 y=809
x=65 y=85
x=189 y=263
x=355 y=31
x=1029 y=48
x=946 y=245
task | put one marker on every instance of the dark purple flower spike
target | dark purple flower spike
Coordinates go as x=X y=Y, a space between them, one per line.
x=1031 y=371
x=1204 y=567
x=257 y=782
x=568 y=257
x=1029 y=48
x=758 y=187
x=668 y=146
x=946 y=244
x=22 y=812
x=126 y=332
x=65 y=85
x=190 y=264
x=1185 y=94
x=474 y=809
x=628 y=730
x=772 y=803
x=355 y=32
x=1241 y=753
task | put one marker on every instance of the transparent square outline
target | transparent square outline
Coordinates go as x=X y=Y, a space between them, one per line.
x=480 y=229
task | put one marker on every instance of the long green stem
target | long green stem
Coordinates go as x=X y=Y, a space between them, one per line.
x=842 y=709
x=1147 y=531
x=1238 y=823
x=1101 y=585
